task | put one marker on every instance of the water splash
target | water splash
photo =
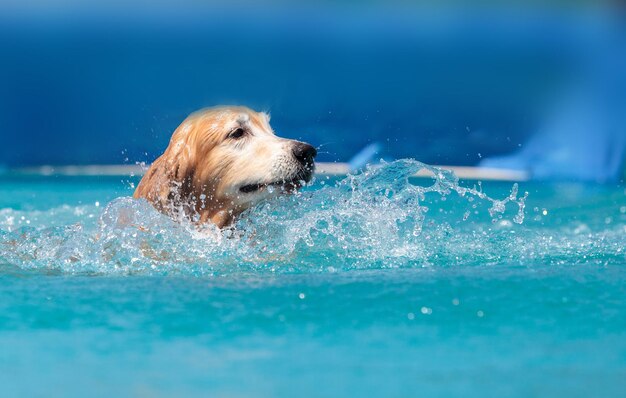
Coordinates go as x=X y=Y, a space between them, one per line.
x=376 y=219
x=376 y=216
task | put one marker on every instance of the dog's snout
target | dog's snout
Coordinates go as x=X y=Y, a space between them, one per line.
x=304 y=152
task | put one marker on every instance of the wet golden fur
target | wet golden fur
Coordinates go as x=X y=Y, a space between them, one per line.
x=201 y=172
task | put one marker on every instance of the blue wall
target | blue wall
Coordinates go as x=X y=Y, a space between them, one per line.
x=103 y=88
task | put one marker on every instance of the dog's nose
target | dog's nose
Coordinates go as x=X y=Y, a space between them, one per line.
x=304 y=152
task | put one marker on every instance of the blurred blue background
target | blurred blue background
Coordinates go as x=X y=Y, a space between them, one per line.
x=539 y=87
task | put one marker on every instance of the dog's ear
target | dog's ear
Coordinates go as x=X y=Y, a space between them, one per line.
x=169 y=179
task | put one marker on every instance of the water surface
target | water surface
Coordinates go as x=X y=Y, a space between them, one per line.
x=372 y=285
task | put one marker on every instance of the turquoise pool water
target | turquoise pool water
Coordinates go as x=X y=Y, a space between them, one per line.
x=372 y=285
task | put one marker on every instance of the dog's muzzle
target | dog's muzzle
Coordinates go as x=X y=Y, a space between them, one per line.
x=304 y=154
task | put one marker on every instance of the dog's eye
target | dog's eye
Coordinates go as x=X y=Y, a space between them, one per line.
x=237 y=133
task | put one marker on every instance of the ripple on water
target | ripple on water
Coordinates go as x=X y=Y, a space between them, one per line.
x=374 y=219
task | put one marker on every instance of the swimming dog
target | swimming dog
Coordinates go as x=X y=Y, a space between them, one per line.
x=221 y=161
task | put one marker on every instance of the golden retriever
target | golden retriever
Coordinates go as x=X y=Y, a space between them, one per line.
x=221 y=161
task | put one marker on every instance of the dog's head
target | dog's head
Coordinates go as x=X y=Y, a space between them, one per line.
x=223 y=160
